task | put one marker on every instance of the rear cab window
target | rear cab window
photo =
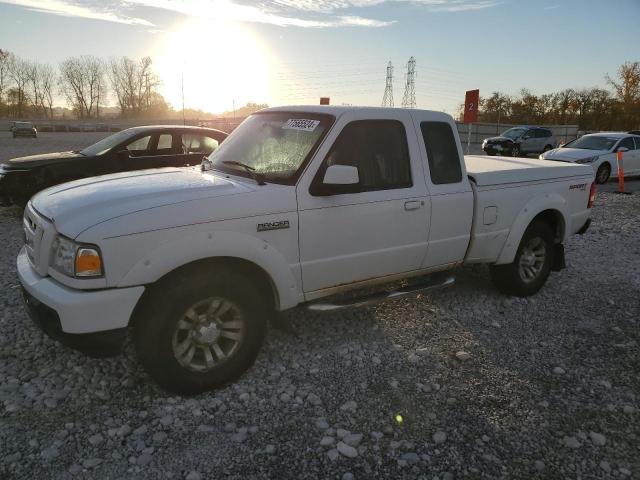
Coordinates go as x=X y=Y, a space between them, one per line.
x=442 y=153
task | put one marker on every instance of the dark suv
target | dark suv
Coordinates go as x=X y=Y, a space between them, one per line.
x=519 y=141
x=23 y=129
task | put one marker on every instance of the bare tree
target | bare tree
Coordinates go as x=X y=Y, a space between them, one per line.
x=47 y=80
x=133 y=84
x=19 y=74
x=82 y=81
x=627 y=89
x=5 y=57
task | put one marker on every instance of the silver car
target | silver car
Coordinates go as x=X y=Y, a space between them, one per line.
x=520 y=141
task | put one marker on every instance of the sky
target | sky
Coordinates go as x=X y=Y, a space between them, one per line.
x=279 y=52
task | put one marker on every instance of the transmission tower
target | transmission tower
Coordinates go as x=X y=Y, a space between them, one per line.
x=387 y=98
x=409 y=97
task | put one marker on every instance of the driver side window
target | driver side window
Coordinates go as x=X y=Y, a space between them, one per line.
x=378 y=148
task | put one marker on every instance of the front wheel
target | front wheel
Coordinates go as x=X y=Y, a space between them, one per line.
x=202 y=332
x=515 y=151
x=603 y=173
x=531 y=266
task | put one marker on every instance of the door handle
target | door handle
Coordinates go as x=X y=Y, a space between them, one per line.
x=412 y=205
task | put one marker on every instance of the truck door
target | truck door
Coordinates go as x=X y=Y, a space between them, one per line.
x=379 y=229
x=451 y=196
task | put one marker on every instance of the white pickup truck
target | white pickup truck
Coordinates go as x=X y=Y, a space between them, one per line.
x=297 y=207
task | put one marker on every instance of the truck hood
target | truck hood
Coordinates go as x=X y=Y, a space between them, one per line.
x=39 y=160
x=76 y=206
x=572 y=154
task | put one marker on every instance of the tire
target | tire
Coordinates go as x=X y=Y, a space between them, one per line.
x=513 y=279
x=547 y=148
x=183 y=314
x=603 y=173
x=515 y=150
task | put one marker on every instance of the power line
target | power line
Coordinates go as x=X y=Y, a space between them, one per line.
x=387 y=98
x=409 y=97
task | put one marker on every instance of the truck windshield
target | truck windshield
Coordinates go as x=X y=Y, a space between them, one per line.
x=592 y=142
x=514 y=133
x=274 y=144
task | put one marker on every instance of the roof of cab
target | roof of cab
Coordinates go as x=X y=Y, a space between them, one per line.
x=339 y=110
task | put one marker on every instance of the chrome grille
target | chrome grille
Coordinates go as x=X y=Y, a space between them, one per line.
x=37 y=230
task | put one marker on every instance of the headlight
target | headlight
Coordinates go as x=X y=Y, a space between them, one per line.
x=75 y=260
x=588 y=159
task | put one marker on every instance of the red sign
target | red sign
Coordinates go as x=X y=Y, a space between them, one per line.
x=324 y=100
x=471 y=100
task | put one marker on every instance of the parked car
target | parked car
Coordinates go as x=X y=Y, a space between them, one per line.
x=132 y=149
x=600 y=151
x=519 y=141
x=23 y=129
x=297 y=207
x=634 y=132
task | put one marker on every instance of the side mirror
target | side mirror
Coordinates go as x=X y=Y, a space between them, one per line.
x=123 y=155
x=338 y=179
x=341 y=175
x=622 y=149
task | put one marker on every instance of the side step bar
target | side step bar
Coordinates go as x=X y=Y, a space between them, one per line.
x=431 y=284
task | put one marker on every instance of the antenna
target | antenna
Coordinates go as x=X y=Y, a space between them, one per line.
x=409 y=98
x=387 y=98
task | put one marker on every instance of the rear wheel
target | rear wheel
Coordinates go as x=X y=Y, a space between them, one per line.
x=202 y=332
x=603 y=173
x=531 y=266
x=547 y=148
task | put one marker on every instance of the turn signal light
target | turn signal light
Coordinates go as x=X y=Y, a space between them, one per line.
x=592 y=195
x=88 y=263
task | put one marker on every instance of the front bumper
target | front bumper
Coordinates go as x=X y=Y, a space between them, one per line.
x=63 y=311
x=99 y=344
x=495 y=149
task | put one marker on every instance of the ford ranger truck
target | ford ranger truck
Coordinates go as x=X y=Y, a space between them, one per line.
x=301 y=206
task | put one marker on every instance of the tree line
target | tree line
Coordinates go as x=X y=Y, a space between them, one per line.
x=29 y=89
x=591 y=108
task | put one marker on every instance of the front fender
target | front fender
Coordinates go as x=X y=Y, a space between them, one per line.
x=176 y=253
x=547 y=201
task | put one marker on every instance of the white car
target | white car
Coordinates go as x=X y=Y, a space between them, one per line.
x=600 y=151
x=299 y=206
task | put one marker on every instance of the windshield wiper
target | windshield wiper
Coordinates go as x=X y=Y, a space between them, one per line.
x=258 y=177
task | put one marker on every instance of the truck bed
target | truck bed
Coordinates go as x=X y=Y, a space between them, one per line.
x=485 y=170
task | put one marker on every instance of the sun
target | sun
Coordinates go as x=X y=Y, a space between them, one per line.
x=223 y=63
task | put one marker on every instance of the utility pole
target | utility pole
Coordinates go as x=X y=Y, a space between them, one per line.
x=183 y=121
x=387 y=98
x=409 y=97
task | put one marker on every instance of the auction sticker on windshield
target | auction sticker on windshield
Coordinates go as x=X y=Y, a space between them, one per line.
x=300 y=124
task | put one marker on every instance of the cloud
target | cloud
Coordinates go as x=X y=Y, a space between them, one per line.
x=69 y=9
x=284 y=13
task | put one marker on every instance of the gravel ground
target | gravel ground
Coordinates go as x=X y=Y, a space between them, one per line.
x=464 y=383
